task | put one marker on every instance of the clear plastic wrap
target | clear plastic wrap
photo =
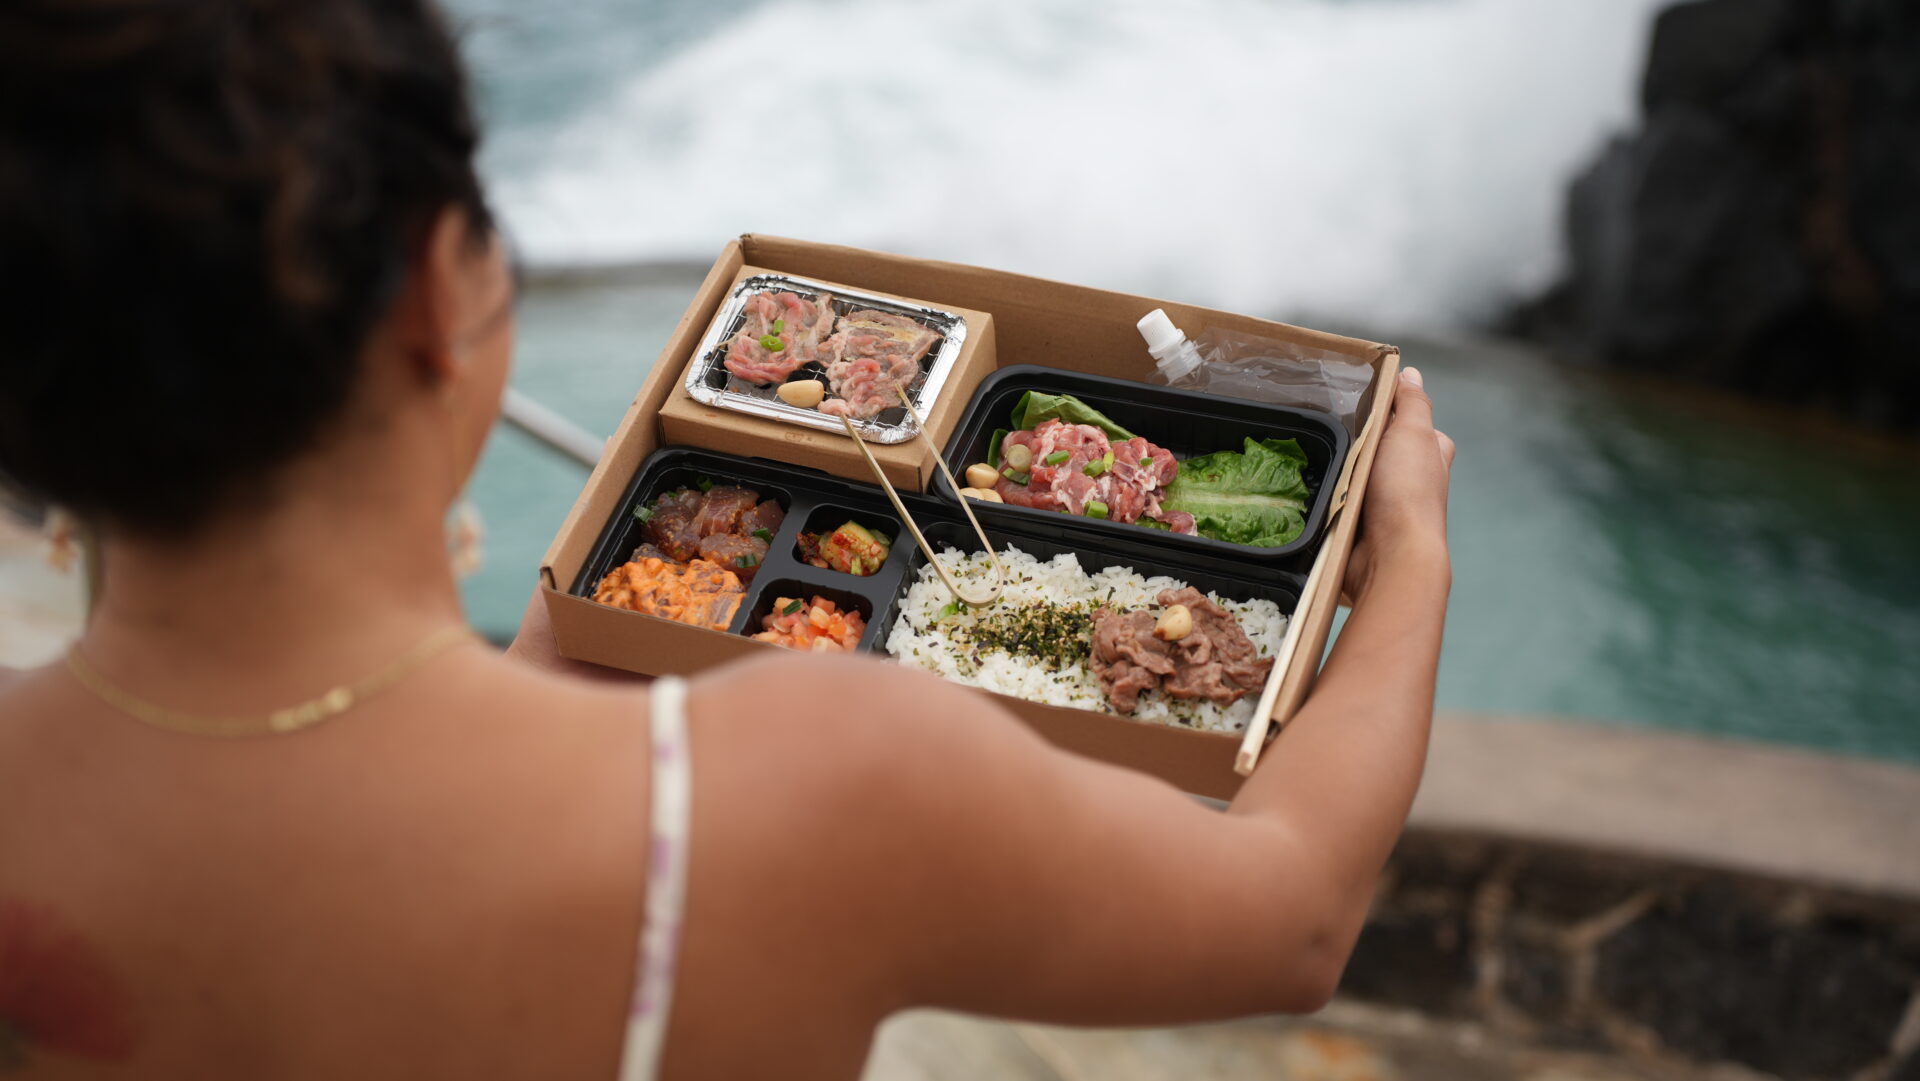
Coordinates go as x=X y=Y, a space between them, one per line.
x=1252 y=368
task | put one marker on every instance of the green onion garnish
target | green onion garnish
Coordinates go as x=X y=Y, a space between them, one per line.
x=1095 y=468
x=1057 y=457
x=1096 y=509
x=779 y=325
x=1147 y=461
x=705 y=485
x=772 y=343
x=750 y=560
x=1015 y=475
x=764 y=534
x=791 y=608
x=643 y=514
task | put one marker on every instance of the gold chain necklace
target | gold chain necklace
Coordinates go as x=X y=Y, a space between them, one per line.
x=280 y=721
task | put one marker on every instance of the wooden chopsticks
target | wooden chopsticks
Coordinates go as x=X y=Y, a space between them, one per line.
x=999 y=571
x=1256 y=738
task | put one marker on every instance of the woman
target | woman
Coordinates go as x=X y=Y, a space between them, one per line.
x=256 y=329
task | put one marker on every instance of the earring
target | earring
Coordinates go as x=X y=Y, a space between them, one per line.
x=466 y=537
x=63 y=544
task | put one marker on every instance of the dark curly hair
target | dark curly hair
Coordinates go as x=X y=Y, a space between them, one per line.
x=205 y=208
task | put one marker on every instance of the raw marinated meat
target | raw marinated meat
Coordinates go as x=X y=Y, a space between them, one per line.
x=722 y=508
x=870 y=359
x=798 y=326
x=767 y=516
x=672 y=528
x=1075 y=466
x=741 y=555
x=697 y=550
x=700 y=593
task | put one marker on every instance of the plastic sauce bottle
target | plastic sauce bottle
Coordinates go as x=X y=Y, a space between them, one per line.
x=1177 y=361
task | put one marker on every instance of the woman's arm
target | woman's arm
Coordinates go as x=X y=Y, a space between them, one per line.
x=1345 y=769
x=927 y=849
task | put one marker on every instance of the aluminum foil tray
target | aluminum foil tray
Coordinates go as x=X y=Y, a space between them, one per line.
x=709 y=382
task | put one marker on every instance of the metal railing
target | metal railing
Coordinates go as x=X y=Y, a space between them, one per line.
x=550 y=429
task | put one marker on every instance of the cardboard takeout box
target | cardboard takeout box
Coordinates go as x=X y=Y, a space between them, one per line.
x=1034 y=321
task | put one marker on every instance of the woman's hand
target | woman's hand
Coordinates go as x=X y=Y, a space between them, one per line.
x=1405 y=513
x=534 y=645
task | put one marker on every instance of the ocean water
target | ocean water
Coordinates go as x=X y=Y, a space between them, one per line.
x=1626 y=551
x=1382 y=162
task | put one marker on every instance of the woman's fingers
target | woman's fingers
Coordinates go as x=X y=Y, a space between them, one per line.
x=1446 y=446
x=1411 y=406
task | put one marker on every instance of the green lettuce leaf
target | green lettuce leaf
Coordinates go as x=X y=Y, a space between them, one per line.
x=1255 y=497
x=1035 y=407
x=993 y=446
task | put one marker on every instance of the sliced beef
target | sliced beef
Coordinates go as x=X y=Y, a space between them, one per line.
x=805 y=324
x=1178 y=520
x=1215 y=661
x=1064 y=485
x=1131 y=485
x=870 y=359
x=1127 y=658
x=1125 y=502
x=1020 y=495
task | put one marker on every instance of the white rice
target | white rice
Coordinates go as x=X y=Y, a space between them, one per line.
x=922 y=635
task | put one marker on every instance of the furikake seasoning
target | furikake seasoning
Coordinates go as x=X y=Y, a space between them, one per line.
x=1057 y=635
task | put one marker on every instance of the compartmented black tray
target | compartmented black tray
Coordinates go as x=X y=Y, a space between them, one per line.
x=1185 y=422
x=814 y=502
x=817 y=502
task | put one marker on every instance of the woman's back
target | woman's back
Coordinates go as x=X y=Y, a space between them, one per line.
x=445 y=883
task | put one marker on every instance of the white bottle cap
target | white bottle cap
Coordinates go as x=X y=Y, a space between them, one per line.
x=1173 y=354
x=1161 y=335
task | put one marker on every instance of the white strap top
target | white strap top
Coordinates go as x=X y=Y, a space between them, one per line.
x=666 y=884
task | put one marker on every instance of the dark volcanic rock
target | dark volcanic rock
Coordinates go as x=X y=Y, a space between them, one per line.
x=1762 y=228
x=1719 y=980
x=1704 y=52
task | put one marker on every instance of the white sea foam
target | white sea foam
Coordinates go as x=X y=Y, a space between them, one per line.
x=1392 y=164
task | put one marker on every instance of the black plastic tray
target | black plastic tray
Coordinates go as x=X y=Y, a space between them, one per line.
x=1185 y=422
x=817 y=501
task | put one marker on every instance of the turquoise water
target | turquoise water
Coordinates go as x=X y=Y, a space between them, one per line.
x=1624 y=551
x=1633 y=552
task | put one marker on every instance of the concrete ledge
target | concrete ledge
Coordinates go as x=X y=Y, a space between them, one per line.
x=1661 y=964
x=1779 y=812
